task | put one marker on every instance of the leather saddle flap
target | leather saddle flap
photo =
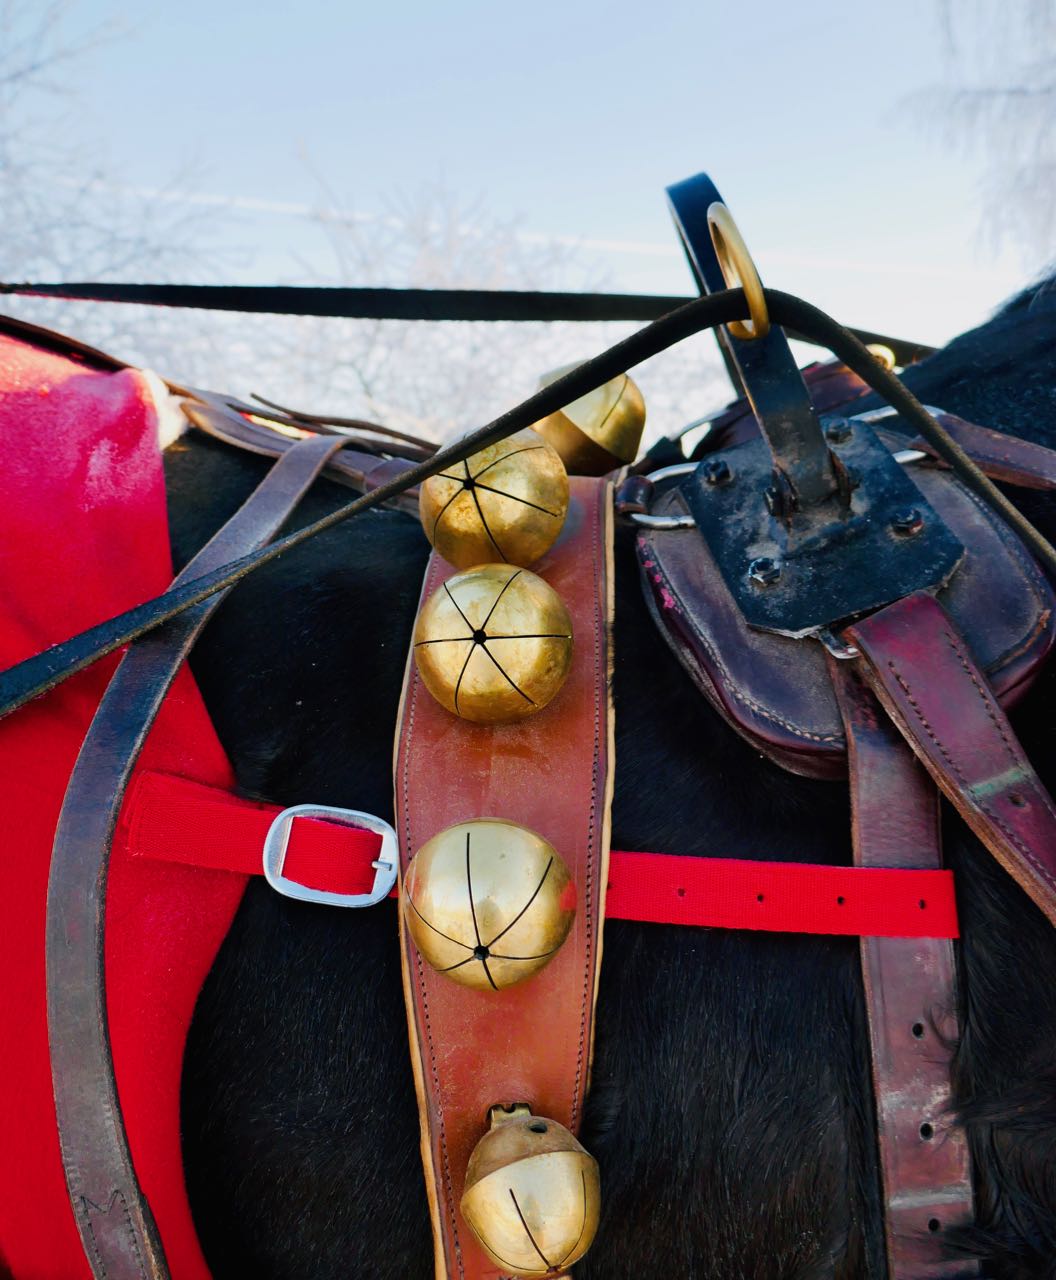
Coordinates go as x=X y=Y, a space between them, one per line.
x=776 y=691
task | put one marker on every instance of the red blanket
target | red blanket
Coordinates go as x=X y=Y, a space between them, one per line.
x=84 y=534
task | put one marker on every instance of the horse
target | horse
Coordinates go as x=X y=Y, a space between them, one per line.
x=730 y=1108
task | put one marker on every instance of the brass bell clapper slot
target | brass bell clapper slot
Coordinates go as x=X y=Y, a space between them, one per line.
x=598 y=432
x=533 y=1194
x=493 y=644
x=488 y=903
x=506 y=503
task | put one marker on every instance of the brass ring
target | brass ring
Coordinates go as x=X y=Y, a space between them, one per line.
x=738 y=269
x=882 y=354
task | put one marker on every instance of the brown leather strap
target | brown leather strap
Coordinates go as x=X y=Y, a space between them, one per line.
x=1001 y=456
x=921 y=669
x=117 y=1229
x=356 y=465
x=910 y=999
x=552 y=773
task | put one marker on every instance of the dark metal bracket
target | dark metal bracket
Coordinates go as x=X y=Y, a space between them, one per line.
x=808 y=526
x=817 y=567
x=765 y=366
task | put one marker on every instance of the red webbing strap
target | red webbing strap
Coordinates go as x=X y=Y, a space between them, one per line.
x=921 y=669
x=172 y=819
x=910 y=996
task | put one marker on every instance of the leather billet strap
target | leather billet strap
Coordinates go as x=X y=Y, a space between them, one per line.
x=921 y=669
x=117 y=1229
x=910 y=1000
x=358 y=464
x=552 y=773
x=1003 y=457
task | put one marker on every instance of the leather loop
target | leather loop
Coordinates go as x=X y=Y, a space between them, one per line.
x=910 y=999
x=116 y=1226
x=552 y=773
x=921 y=669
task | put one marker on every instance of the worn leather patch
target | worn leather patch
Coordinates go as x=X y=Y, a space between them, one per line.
x=776 y=691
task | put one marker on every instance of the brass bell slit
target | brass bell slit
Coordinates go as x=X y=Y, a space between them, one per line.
x=532 y=1193
x=506 y=503
x=488 y=903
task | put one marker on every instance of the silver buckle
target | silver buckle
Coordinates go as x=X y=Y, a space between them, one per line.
x=277 y=841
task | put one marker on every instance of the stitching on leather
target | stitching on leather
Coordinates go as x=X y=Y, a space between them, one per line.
x=99 y=1264
x=588 y=967
x=1010 y=834
x=731 y=684
x=445 y=1157
x=984 y=698
x=1033 y=579
x=117 y=1194
x=1010 y=745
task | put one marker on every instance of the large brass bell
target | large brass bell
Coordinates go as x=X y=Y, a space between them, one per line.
x=493 y=644
x=598 y=432
x=488 y=903
x=507 y=502
x=533 y=1194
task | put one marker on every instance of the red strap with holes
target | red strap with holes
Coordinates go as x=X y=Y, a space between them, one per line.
x=175 y=820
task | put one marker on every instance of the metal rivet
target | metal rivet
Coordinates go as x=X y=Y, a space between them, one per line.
x=908 y=522
x=838 y=431
x=717 y=471
x=764 y=570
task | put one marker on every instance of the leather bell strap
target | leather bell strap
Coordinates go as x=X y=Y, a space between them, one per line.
x=552 y=773
x=911 y=1002
x=921 y=669
x=173 y=819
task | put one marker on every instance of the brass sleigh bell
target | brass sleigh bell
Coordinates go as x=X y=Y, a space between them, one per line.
x=493 y=644
x=598 y=432
x=506 y=503
x=488 y=903
x=533 y=1194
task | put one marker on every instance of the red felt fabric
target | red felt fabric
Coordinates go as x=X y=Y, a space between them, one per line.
x=83 y=534
x=175 y=820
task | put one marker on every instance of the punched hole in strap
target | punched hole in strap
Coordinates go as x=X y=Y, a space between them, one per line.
x=927 y=1131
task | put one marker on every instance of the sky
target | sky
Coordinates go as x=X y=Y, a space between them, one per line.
x=817 y=120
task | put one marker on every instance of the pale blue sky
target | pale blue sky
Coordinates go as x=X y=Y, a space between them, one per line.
x=572 y=116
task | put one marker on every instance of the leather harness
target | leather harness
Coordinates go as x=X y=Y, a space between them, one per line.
x=905 y=668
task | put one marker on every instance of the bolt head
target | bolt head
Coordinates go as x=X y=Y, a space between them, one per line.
x=908 y=522
x=717 y=471
x=838 y=431
x=764 y=571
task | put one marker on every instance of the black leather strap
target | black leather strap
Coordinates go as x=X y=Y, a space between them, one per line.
x=117 y=1229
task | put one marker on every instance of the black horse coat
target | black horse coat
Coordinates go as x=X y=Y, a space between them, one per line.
x=731 y=1109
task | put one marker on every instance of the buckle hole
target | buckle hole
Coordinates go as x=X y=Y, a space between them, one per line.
x=927 y=1131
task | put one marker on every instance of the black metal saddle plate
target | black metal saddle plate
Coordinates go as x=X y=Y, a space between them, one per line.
x=775 y=690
